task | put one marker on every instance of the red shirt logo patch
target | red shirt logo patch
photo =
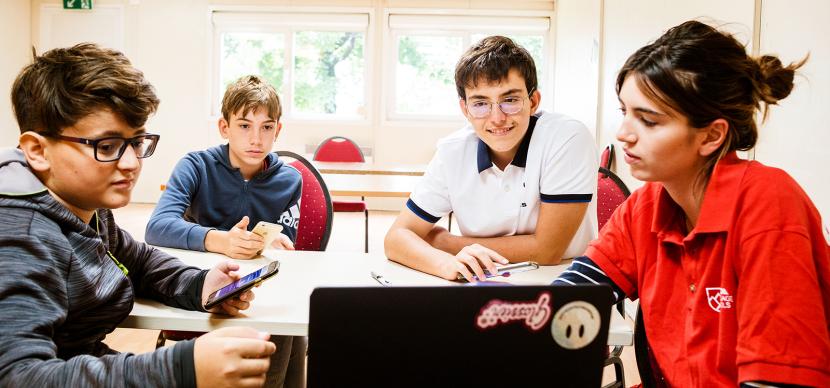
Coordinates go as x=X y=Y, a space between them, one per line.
x=718 y=298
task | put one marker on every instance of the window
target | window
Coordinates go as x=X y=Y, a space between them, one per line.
x=252 y=53
x=328 y=73
x=317 y=62
x=427 y=47
x=424 y=74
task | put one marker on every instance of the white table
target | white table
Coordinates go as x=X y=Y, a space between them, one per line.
x=282 y=303
x=397 y=186
x=369 y=168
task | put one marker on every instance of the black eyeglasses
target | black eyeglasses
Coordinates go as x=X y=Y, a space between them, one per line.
x=110 y=149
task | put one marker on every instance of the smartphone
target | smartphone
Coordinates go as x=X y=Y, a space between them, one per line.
x=508 y=269
x=268 y=231
x=243 y=284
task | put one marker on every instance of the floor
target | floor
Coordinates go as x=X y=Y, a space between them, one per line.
x=347 y=235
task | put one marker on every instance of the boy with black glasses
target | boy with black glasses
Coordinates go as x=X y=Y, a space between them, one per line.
x=520 y=182
x=70 y=273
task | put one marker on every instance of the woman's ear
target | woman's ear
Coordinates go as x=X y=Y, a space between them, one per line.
x=714 y=135
x=35 y=148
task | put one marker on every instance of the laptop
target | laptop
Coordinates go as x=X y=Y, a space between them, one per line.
x=508 y=336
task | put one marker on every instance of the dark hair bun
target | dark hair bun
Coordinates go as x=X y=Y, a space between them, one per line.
x=776 y=80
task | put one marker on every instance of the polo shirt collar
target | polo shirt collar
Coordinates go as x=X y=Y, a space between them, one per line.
x=484 y=162
x=720 y=198
x=717 y=211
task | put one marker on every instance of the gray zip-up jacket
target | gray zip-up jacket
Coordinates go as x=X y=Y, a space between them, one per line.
x=61 y=293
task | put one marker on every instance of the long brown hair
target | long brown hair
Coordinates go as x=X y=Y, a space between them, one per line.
x=705 y=74
x=64 y=85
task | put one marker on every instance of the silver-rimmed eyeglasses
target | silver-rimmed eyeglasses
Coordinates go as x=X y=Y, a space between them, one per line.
x=482 y=108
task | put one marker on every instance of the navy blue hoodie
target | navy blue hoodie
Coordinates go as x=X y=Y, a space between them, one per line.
x=205 y=192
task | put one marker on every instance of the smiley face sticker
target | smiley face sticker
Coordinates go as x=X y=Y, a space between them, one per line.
x=575 y=325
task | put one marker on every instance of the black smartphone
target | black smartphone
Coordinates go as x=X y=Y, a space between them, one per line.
x=506 y=270
x=243 y=284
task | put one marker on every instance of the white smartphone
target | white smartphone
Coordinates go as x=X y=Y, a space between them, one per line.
x=508 y=269
x=268 y=231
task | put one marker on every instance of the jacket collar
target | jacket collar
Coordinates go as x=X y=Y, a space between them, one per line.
x=719 y=199
x=484 y=162
x=222 y=156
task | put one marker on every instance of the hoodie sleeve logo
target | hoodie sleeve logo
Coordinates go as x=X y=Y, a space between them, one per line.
x=718 y=298
x=535 y=314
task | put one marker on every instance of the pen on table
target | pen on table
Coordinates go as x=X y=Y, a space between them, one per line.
x=382 y=280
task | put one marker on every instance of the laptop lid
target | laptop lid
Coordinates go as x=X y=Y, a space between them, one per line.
x=458 y=336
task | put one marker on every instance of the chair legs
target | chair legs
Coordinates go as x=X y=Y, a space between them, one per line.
x=366 y=232
x=619 y=375
x=449 y=222
x=160 y=340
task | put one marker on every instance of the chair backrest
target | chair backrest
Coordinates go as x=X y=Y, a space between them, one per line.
x=314 y=228
x=338 y=149
x=646 y=366
x=611 y=192
x=607 y=157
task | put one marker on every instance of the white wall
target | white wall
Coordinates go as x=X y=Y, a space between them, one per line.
x=796 y=136
x=576 y=62
x=17 y=52
x=631 y=24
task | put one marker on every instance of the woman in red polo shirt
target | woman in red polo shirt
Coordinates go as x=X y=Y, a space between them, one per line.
x=727 y=256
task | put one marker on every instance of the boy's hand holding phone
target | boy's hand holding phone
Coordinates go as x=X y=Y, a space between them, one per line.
x=237 y=243
x=232 y=357
x=472 y=261
x=272 y=235
x=219 y=276
x=282 y=242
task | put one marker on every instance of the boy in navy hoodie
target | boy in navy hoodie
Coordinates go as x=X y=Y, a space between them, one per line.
x=214 y=196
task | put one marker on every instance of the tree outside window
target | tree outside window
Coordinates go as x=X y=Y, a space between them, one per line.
x=328 y=73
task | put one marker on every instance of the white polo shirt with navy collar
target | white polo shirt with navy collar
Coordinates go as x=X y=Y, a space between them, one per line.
x=556 y=163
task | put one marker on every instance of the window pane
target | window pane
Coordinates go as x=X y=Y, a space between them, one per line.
x=328 y=73
x=425 y=75
x=252 y=53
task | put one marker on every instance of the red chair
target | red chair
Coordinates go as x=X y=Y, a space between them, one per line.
x=338 y=149
x=316 y=208
x=650 y=375
x=607 y=157
x=611 y=192
x=341 y=149
x=313 y=232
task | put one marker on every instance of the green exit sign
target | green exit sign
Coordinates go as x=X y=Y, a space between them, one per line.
x=77 y=4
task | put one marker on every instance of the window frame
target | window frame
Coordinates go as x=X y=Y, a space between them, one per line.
x=272 y=20
x=389 y=117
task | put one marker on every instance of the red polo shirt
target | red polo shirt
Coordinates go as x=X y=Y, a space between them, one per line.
x=745 y=296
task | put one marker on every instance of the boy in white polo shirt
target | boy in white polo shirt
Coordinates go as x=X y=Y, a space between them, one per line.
x=520 y=182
